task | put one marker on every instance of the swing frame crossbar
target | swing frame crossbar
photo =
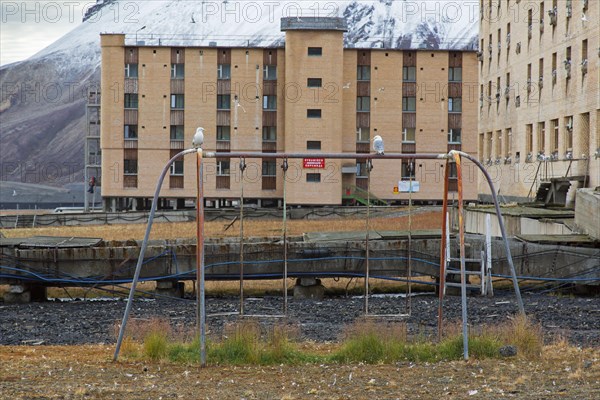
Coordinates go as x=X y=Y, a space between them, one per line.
x=200 y=281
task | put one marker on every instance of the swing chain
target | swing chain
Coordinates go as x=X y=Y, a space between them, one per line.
x=243 y=164
x=285 y=165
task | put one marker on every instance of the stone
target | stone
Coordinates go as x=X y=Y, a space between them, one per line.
x=508 y=351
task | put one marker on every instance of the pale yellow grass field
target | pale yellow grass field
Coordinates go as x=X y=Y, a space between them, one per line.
x=216 y=229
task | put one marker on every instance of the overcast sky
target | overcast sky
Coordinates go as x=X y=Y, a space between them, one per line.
x=26 y=27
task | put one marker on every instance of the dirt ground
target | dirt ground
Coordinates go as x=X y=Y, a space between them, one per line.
x=87 y=372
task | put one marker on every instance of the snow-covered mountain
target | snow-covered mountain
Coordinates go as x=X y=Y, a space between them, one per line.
x=42 y=104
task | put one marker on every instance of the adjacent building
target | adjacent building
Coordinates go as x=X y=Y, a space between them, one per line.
x=311 y=95
x=539 y=107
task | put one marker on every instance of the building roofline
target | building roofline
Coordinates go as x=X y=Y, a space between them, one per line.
x=314 y=24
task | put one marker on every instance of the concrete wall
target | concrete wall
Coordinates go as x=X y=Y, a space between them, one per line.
x=587 y=212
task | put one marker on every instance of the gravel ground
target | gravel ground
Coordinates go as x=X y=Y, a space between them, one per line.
x=93 y=322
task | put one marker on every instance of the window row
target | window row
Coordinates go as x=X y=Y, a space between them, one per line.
x=409 y=74
x=223 y=71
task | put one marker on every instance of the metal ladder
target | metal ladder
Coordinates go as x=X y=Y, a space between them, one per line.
x=484 y=272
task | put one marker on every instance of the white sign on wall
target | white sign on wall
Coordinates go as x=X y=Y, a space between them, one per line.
x=406 y=187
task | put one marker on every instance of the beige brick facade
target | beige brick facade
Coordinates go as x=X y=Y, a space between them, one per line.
x=539 y=93
x=270 y=99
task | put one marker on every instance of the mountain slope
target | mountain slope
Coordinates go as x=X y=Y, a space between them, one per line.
x=42 y=104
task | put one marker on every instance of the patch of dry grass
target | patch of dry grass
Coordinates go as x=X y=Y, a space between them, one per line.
x=216 y=229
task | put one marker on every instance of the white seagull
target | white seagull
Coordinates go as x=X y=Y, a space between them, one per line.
x=378 y=145
x=198 y=138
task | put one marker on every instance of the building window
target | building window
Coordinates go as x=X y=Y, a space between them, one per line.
x=409 y=74
x=313 y=113
x=541 y=137
x=363 y=73
x=529 y=138
x=455 y=74
x=409 y=104
x=223 y=167
x=408 y=169
x=363 y=135
x=131 y=70
x=454 y=104
x=408 y=135
x=224 y=71
x=130 y=167
x=555 y=135
x=454 y=136
x=131 y=132
x=507 y=142
x=223 y=102
x=453 y=172
x=315 y=51
x=177 y=133
x=223 y=132
x=131 y=100
x=569 y=133
x=480 y=147
x=269 y=168
x=269 y=102
x=314 y=82
x=177 y=101
x=269 y=134
x=361 y=170
x=177 y=168
x=314 y=178
x=313 y=145
x=363 y=103
x=177 y=71
x=270 y=72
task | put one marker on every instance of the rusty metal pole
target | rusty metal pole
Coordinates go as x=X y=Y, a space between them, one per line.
x=463 y=278
x=443 y=246
x=200 y=299
x=409 y=295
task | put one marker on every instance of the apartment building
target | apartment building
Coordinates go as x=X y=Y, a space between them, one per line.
x=310 y=95
x=539 y=109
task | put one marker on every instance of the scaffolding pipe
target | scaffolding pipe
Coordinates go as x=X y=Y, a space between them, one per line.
x=463 y=278
x=443 y=245
x=242 y=168
x=284 y=166
x=140 y=260
x=200 y=273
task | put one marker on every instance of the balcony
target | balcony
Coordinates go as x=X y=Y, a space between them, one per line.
x=130 y=181
x=177 y=86
x=130 y=117
x=223 y=181
x=177 y=145
x=269 y=146
x=409 y=147
x=130 y=144
x=269 y=182
x=131 y=85
x=176 y=182
x=363 y=147
x=223 y=145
